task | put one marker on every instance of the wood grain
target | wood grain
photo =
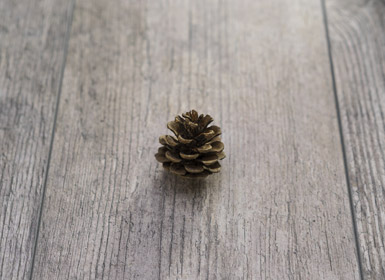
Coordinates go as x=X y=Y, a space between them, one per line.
x=32 y=49
x=358 y=52
x=278 y=210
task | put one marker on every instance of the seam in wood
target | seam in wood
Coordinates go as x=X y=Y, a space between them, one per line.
x=66 y=42
x=355 y=231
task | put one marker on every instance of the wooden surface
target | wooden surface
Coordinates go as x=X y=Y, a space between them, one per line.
x=357 y=32
x=280 y=207
x=32 y=50
x=296 y=87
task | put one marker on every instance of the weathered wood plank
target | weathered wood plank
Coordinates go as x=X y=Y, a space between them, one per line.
x=278 y=210
x=357 y=33
x=32 y=50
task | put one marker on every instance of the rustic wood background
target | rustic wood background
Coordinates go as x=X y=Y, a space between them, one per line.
x=86 y=88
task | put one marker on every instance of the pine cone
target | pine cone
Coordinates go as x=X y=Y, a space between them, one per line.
x=196 y=149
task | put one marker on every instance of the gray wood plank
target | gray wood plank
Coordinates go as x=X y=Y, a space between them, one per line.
x=357 y=33
x=32 y=49
x=278 y=210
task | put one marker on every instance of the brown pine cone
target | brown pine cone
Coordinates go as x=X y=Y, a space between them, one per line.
x=196 y=149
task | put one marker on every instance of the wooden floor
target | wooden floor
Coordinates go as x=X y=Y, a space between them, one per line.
x=87 y=87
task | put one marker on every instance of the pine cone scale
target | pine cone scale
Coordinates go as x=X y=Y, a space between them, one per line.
x=194 y=168
x=185 y=141
x=216 y=167
x=211 y=159
x=189 y=156
x=161 y=158
x=215 y=139
x=173 y=157
x=174 y=127
x=178 y=169
x=221 y=155
x=217 y=147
